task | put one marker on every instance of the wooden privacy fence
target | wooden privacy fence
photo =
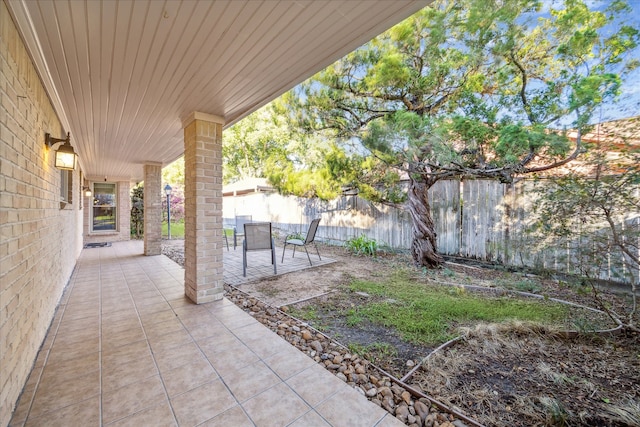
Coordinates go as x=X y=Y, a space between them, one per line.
x=481 y=219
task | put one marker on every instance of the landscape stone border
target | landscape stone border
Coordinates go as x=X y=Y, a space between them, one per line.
x=411 y=406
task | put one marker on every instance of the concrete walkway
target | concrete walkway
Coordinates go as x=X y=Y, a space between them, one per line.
x=126 y=348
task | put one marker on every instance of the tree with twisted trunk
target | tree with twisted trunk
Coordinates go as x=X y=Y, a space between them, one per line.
x=467 y=89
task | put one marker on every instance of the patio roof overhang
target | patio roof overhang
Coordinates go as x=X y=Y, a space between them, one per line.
x=123 y=75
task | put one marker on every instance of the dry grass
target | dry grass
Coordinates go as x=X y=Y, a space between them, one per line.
x=522 y=374
x=628 y=413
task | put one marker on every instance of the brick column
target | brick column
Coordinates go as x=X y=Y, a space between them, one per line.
x=152 y=209
x=203 y=207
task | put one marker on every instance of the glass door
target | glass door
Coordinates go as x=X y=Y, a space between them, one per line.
x=104 y=210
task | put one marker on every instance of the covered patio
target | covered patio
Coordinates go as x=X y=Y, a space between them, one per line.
x=127 y=347
x=129 y=87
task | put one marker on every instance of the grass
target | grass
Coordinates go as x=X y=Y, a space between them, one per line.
x=308 y=313
x=522 y=285
x=177 y=230
x=556 y=413
x=428 y=315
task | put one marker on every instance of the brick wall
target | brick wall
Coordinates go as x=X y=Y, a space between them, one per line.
x=40 y=238
x=152 y=210
x=203 y=208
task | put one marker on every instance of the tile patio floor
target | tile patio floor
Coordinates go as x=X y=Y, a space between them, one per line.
x=126 y=348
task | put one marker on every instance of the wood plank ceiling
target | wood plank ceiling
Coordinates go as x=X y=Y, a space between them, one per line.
x=123 y=74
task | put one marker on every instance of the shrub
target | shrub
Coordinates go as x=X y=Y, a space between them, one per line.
x=362 y=245
x=137 y=212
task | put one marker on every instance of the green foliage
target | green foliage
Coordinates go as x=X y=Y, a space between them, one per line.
x=594 y=213
x=137 y=212
x=249 y=145
x=523 y=285
x=298 y=236
x=427 y=314
x=597 y=199
x=308 y=313
x=173 y=173
x=353 y=317
x=472 y=88
x=374 y=351
x=585 y=325
x=469 y=88
x=362 y=245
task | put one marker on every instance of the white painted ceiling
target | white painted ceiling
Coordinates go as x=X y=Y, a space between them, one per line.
x=123 y=74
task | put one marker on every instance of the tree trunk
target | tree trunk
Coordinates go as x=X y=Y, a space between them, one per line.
x=423 y=246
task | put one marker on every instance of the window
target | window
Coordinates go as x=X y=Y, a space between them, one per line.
x=66 y=187
x=80 y=191
x=104 y=211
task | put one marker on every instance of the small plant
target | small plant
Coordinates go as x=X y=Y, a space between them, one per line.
x=354 y=318
x=307 y=313
x=523 y=285
x=296 y=235
x=137 y=212
x=362 y=245
x=374 y=351
x=556 y=413
x=584 y=325
x=628 y=413
x=527 y=286
x=268 y=290
x=457 y=290
x=356 y=348
x=448 y=273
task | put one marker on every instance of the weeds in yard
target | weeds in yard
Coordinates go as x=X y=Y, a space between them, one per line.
x=308 y=313
x=523 y=285
x=268 y=290
x=362 y=245
x=584 y=325
x=448 y=273
x=426 y=314
x=627 y=413
x=556 y=413
x=353 y=317
x=374 y=351
x=296 y=235
x=551 y=375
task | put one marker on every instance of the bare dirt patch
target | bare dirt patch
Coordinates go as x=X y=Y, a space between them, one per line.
x=318 y=281
x=511 y=375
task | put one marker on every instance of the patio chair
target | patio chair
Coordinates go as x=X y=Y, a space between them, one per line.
x=238 y=229
x=257 y=237
x=226 y=239
x=310 y=238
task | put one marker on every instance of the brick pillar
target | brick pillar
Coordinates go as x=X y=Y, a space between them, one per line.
x=203 y=207
x=152 y=209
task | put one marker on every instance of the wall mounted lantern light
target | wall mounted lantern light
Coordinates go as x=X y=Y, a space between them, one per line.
x=87 y=191
x=66 y=158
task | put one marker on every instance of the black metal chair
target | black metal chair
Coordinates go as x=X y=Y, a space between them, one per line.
x=309 y=239
x=226 y=239
x=257 y=237
x=238 y=229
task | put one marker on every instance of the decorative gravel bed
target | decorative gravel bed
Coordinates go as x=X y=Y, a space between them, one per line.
x=408 y=405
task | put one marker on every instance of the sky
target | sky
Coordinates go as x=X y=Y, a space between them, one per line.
x=629 y=102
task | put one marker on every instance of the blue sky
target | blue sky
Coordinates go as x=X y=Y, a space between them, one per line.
x=629 y=102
